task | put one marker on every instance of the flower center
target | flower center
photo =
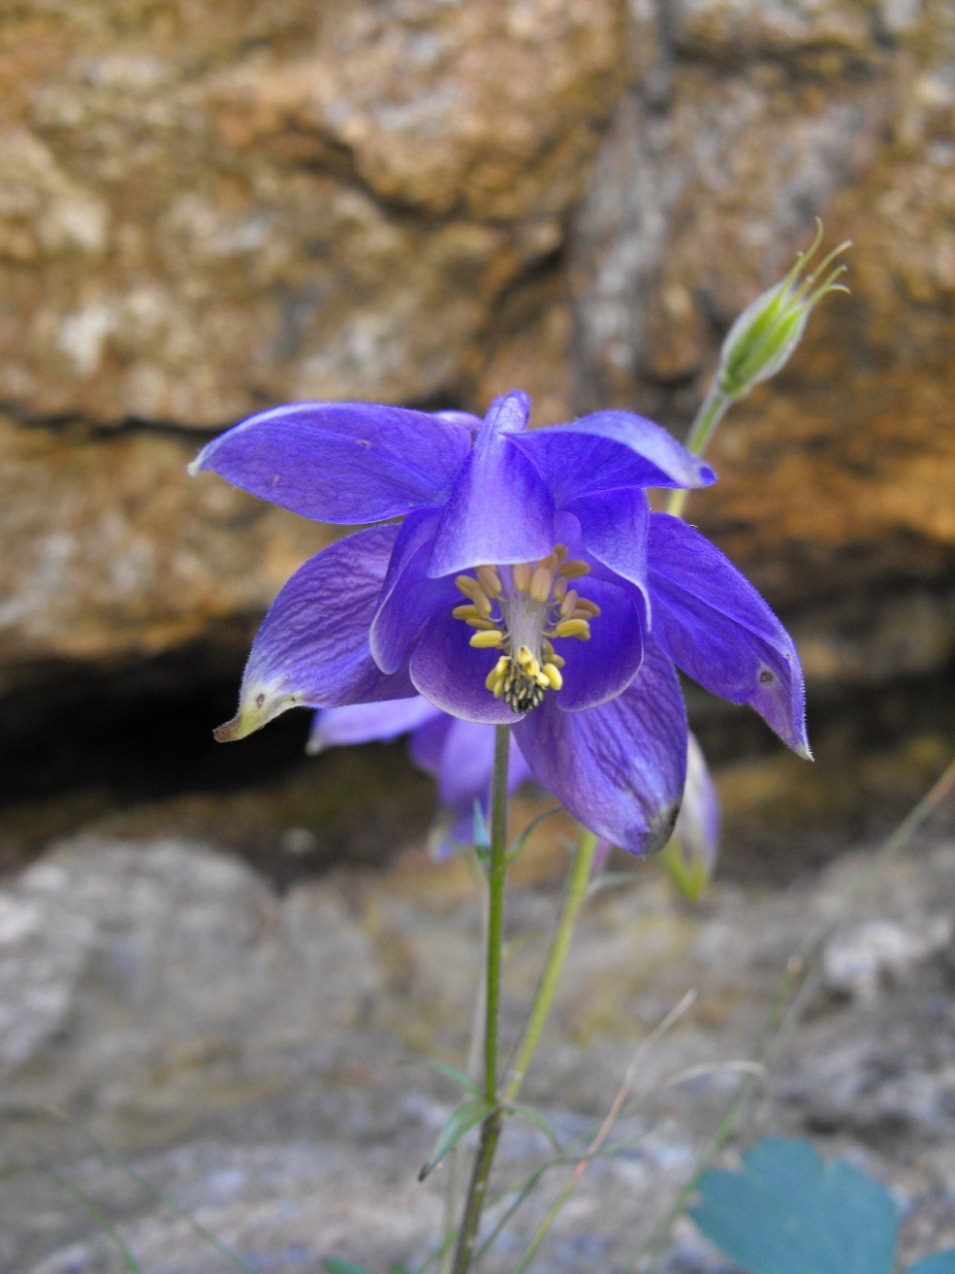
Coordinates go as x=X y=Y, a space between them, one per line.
x=520 y=610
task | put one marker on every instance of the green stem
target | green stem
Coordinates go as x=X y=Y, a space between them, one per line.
x=712 y=410
x=574 y=895
x=491 y=1127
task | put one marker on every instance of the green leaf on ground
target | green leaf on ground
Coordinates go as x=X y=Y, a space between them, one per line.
x=789 y=1212
x=937 y=1263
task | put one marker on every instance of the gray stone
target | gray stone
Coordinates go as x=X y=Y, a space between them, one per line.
x=247 y=1056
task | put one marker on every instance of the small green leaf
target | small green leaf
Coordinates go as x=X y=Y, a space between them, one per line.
x=466 y=1117
x=537 y=1119
x=937 y=1263
x=456 y=1076
x=480 y=832
x=334 y=1266
x=788 y=1212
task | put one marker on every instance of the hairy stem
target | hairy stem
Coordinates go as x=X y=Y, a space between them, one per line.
x=712 y=410
x=491 y=1127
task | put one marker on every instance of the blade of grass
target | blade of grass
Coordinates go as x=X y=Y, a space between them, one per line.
x=160 y=1195
x=84 y=1200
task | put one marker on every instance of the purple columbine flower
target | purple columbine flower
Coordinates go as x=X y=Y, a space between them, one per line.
x=516 y=577
x=459 y=754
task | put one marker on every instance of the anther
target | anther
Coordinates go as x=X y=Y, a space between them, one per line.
x=471 y=588
x=521 y=574
x=574 y=568
x=540 y=586
x=552 y=673
x=493 y=639
x=489 y=580
x=570 y=628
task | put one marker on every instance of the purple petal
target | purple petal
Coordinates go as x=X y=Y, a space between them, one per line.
x=427 y=742
x=461 y=755
x=715 y=626
x=610 y=449
x=409 y=595
x=620 y=768
x=470 y=422
x=614 y=527
x=451 y=673
x=341 y=462
x=499 y=511
x=312 y=648
x=467 y=762
x=366 y=722
x=598 y=669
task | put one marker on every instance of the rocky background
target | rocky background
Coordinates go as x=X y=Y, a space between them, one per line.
x=209 y=207
x=206 y=208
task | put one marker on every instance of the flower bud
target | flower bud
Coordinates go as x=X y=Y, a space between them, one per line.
x=690 y=854
x=764 y=336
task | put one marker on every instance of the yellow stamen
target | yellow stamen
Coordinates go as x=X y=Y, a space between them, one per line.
x=495 y=678
x=492 y=639
x=486 y=625
x=552 y=674
x=471 y=588
x=568 y=603
x=574 y=568
x=521 y=574
x=540 y=586
x=571 y=628
x=489 y=580
x=586 y=607
x=469 y=611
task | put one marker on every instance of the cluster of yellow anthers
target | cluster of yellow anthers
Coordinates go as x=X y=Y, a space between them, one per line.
x=523 y=619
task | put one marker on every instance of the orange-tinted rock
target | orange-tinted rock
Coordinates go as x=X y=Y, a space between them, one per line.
x=113 y=554
x=206 y=208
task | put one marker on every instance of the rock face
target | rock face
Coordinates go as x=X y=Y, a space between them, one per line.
x=207 y=207
x=259 y=1060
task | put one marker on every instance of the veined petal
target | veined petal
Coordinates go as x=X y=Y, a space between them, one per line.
x=715 y=626
x=312 y=648
x=367 y=722
x=598 y=669
x=467 y=763
x=450 y=672
x=460 y=754
x=614 y=526
x=610 y=449
x=620 y=768
x=499 y=510
x=408 y=595
x=341 y=462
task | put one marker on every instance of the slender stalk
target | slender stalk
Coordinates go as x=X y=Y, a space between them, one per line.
x=491 y=1127
x=712 y=410
x=574 y=894
x=456 y=1156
